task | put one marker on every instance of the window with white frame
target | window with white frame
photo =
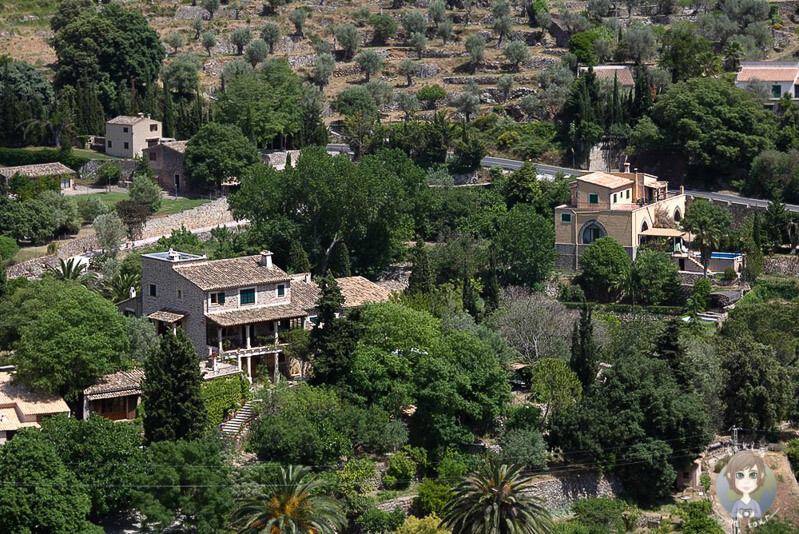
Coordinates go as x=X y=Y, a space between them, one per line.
x=247 y=296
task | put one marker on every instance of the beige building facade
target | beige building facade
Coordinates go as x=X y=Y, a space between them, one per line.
x=126 y=136
x=627 y=206
x=21 y=407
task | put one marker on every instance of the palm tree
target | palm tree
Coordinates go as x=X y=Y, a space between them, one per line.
x=72 y=270
x=733 y=54
x=121 y=284
x=292 y=505
x=496 y=499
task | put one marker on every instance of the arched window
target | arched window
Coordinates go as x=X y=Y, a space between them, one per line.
x=644 y=226
x=677 y=215
x=591 y=232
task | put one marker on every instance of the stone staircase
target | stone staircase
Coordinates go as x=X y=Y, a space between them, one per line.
x=243 y=416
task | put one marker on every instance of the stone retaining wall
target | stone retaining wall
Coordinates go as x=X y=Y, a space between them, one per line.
x=558 y=492
x=788 y=265
x=208 y=215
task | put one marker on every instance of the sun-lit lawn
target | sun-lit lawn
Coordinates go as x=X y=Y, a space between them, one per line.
x=91 y=154
x=168 y=205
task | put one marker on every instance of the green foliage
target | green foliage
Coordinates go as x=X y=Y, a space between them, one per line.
x=431 y=95
x=584 y=45
x=104 y=455
x=401 y=469
x=554 y=385
x=354 y=476
x=384 y=27
x=431 y=497
x=37 y=492
x=602 y=266
x=222 y=396
x=8 y=248
x=697 y=302
x=146 y=191
x=218 y=152
x=256 y=52
x=657 y=278
x=70 y=341
x=354 y=99
x=495 y=495
x=110 y=230
x=696 y=518
x=90 y=207
x=374 y=521
x=347 y=37
x=602 y=513
x=684 y=51
x=240 y=37
x=640 y=399
x=524 y=246
x=717 y=126
x=524 y=446
x=171 y=391
x=182 y=75
x=757 y=391
x=709 y=223
x=430 y=524
x=12 y=157
x=369 y=62
x=184 y=479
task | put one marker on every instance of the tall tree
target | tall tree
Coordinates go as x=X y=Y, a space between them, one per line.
x=37 y=492
x=218 y=152
x=171 y=391
x=584 y=357
x=495 y=500
x=422 y=278
x=294 y=503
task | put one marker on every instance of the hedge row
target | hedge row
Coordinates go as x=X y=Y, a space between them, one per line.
x=13 y=157
x=222 y=396
x=627 y=308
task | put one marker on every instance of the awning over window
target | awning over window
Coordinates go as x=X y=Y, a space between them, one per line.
x=167 y=316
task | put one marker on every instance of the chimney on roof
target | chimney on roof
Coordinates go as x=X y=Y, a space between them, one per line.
x=266 y=259
x=140 y=114
x=637 y=188
x=627 y=167
x=172 y=255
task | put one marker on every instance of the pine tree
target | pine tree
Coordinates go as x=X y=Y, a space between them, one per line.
x=298 y=258
x=171 y=391
x=168 y=113
x=491 y=290
x=584 y=351
x=421 y=279
x=333 y=339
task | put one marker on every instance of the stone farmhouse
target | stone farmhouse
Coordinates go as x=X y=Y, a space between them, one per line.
x=166 y=160
x=235 y=310
x=606 y=74
x=776 y=78
x=127 y=136
x=628 y=206
x=21 y=407
x=58 y=170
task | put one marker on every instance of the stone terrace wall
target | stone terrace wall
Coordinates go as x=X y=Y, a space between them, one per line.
x=208 y=215
x=788 y=265
x=558 y=492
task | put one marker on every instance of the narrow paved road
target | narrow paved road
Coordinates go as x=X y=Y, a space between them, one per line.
x=551 y=170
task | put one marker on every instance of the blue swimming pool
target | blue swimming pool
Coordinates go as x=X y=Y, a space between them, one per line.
x=727 y=255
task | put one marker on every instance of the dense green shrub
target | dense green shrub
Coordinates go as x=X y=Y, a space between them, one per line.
x=401 y=470
x=376 y=521
x=223 y=396
x=90 y=207
x=599 y=513
x=524 y=446
x=12 y=157
x=8 y=248
x=603 y=266
x=430 y=498
x=353 y=478
x=792 y=452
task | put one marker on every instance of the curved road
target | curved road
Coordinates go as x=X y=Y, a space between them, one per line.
x=551 y=170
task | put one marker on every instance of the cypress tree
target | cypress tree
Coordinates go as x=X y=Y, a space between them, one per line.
x=168 y=113
x=421 y=279
x=339 y=264
x=491 y=290
x=333 y=339
x=171 y=392
x=584 y=351
x=298 y=258
x=756 y=236
x=669 y=349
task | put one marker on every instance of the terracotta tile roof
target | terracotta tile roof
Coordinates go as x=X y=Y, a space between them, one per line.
x=177 y=146
x=605 y=180
x=167 y=316
x=256 y=314
x=620 y=72
x=40 y=169
x=129 y=119
x=9 y=420
x=356 y=291
x=764 y=71
x=229 y=273
x=119 y=384
x=29 y=402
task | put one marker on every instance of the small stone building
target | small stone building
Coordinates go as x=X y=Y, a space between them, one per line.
x=166 y=160
x=115 y=396
x=40 y=170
